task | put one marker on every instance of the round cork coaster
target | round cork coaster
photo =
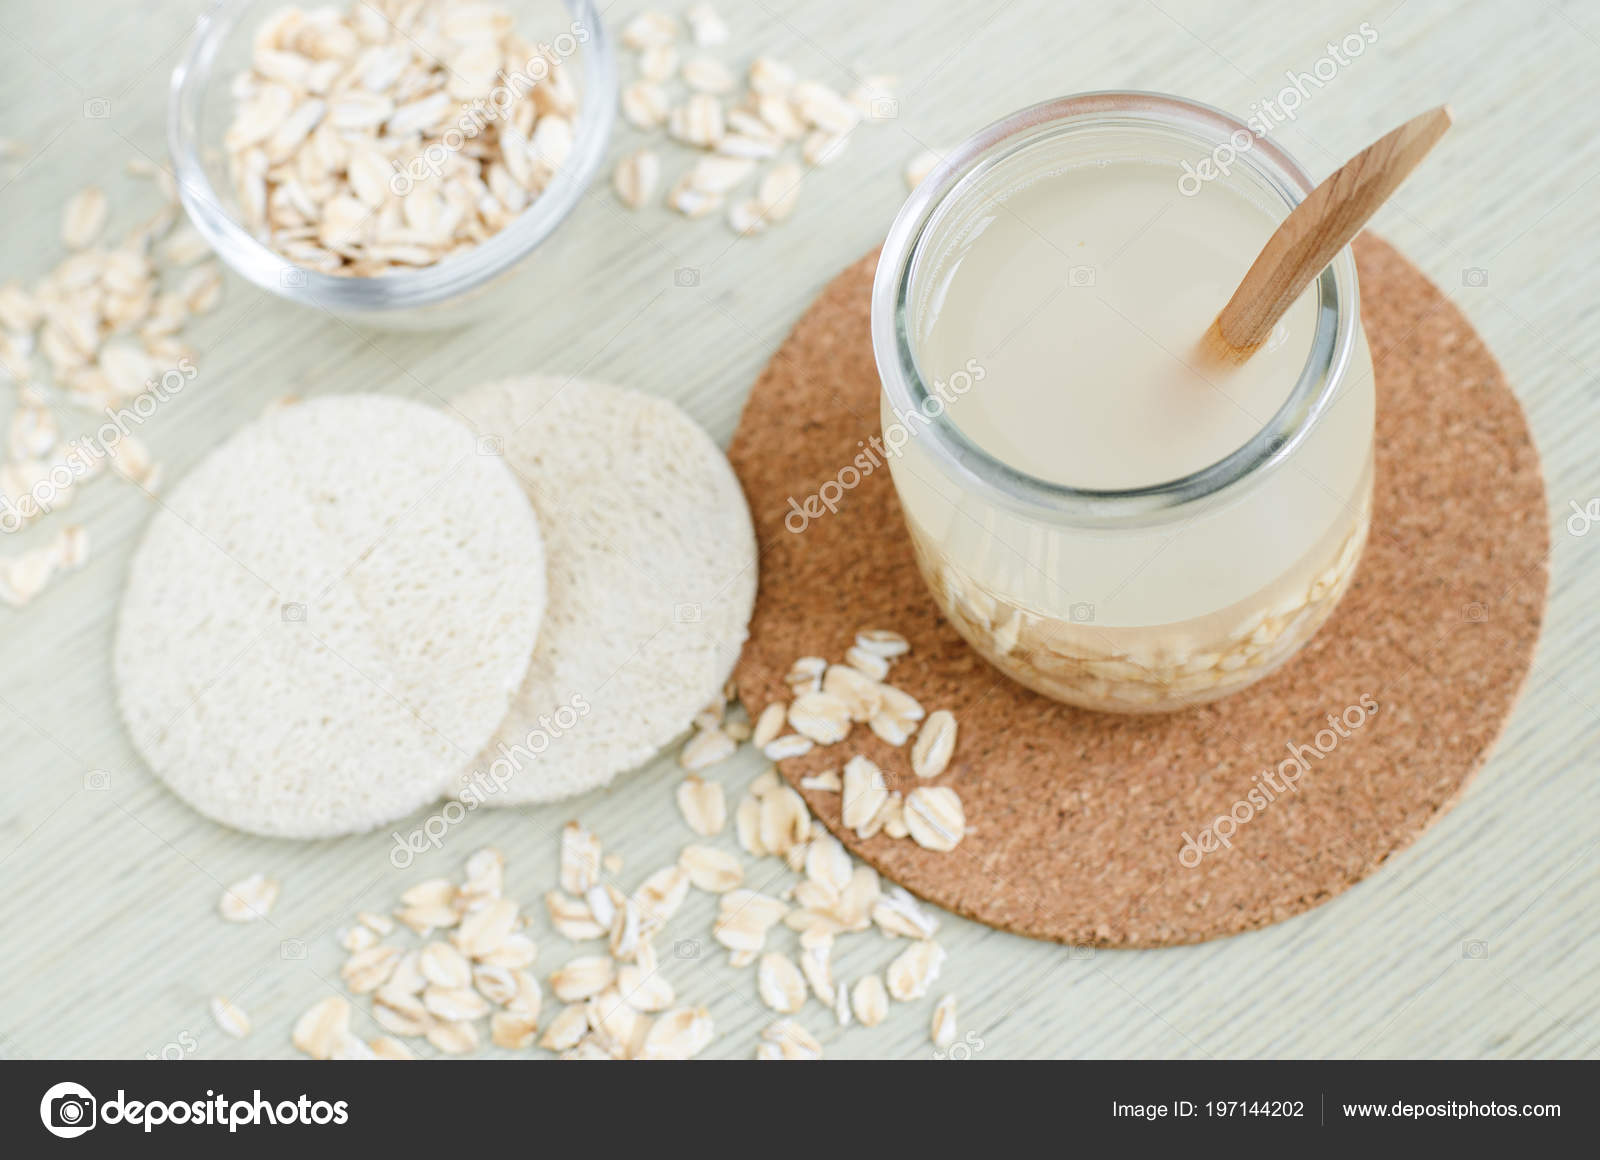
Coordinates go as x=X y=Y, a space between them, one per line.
x=1080 y=823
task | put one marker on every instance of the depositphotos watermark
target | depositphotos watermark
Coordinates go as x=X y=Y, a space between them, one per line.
x=86 y=455
x=68 y=1110
x=1266 y=115
x=483 y=784
x=878 y=450
x=1267 y=788
x=481 y=112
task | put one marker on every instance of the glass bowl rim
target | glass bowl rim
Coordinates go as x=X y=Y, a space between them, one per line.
x=404 y=289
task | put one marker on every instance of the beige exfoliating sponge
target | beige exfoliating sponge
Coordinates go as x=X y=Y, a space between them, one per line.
x=329 y=616
x=652 y=575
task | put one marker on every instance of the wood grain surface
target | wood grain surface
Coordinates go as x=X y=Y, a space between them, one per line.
x=1481 y=939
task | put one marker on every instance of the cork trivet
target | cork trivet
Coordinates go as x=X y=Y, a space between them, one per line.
x=1077 y=819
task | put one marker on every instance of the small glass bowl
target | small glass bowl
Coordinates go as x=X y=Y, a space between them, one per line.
x=440 y=295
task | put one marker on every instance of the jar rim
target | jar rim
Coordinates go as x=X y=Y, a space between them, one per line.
x=1312 y=395
x=399 y=290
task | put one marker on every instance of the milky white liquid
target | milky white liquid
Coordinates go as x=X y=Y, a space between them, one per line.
x=1082 y=296
x=1078 y=288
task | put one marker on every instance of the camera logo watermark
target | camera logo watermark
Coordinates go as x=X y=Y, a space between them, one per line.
x=1271 y=784
x=68 y=1110
x=970 y=1045
x=1582 y=518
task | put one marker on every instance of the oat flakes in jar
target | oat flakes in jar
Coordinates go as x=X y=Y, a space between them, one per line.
x=1109 y=518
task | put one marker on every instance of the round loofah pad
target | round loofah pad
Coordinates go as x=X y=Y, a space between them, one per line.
x=652 y=572
x=1078 y=821
x=329 y=616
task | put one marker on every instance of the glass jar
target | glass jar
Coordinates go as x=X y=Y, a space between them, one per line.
x=1144 y=598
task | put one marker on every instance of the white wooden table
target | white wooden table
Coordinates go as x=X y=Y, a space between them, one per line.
x=1481 y=940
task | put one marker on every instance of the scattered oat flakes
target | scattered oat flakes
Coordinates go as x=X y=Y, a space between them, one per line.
x=780 y=983
x=785 y=821
x=744 y=917
x=869 y=1000
x=706 y=27
x=868 y=663
x=573 y=918
x=943 y=1028
x=582 y=978
x=388 y=1047
x=789 y=1041
x=482 y=931
x=816 y=965
x=248 y=900
x=898 y=914
x=24 y=576
x=914 y=970
x=702 y=805
x=580 y=859
x=719 y=175
x=367 y=970
x=747 y=826
x=358 y=938
x=769 y=724
x=935 y=744
x=707 y=74
x=779 y=191
x=453 y=1038
x=805 y=675
x=636 y=177
x=497 y=984
x=862 y=694
x=322 y=1030
x=745 y=217
x=658 y=62
x=682 y=1033
x=512 y=1030
x=790 y=745
x=230 y=1017
x=698 y=121
x=455 y=1004
x=864 y=792
x=710 y=869
x=934 y=817
x=768 y=75
x=644 y=105
x=84 y=218
x=444 y=966
x=883 y=643
x=822 y=717
x=692 y=202
x=706 y=748
x=649 y=29
x=569 y=1026
x=822 y=148
x=828 y=781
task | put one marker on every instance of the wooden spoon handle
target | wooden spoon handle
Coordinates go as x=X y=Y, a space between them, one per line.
x=1319 y=227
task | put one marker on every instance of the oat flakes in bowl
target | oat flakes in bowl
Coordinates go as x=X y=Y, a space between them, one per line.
x=386 y=160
